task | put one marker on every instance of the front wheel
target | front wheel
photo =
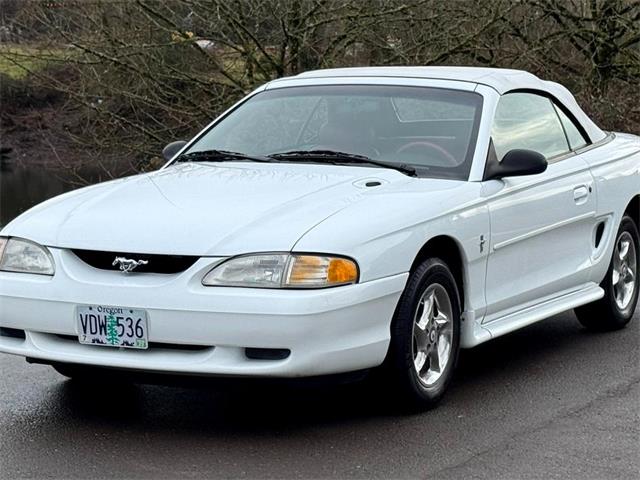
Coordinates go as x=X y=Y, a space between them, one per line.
x=621 y=284
x=425 y=335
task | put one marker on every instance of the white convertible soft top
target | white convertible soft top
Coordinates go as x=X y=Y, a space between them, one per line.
x=500 y=79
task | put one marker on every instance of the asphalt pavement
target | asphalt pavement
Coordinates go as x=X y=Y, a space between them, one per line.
x=549 y=401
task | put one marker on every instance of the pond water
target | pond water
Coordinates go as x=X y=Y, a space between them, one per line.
x=22 y=187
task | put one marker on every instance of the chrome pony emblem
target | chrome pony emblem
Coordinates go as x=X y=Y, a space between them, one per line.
x=127 y=264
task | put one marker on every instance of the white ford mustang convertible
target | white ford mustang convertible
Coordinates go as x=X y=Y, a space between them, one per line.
x=334 y=222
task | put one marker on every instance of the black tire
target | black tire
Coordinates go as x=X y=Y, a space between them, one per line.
x=606 y=314
x=400 y=369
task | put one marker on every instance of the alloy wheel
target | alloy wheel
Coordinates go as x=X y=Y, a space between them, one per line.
x=625 y=273
x=432 y=334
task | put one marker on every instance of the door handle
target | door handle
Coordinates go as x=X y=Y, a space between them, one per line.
x=580 y=194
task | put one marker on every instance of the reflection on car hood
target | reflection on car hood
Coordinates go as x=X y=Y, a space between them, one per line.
x=201 y=209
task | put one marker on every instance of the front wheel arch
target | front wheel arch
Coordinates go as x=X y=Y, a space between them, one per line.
x=633 y=210
x=397 y=368
x=450 y=252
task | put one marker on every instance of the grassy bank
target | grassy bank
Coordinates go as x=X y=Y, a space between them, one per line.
x=17 y=61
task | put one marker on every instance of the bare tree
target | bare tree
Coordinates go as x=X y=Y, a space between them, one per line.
x=138 y=74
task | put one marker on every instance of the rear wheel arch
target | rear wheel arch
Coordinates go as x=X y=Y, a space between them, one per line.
x=448 y=250
x=615 y=309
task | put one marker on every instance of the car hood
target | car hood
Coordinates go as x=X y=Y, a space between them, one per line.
x=201 y=209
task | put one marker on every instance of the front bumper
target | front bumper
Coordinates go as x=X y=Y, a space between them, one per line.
x=328 y=331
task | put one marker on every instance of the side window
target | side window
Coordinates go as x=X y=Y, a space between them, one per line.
x=576 y=139
x=528 y=121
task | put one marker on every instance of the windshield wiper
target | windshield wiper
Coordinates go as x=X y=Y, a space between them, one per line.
x=329 y=156
x=338 y=158
x=220 y=156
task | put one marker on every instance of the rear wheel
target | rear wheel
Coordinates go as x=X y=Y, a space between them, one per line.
x=621 y=284
x=425 y=335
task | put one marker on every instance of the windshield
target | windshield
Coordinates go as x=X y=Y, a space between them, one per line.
x=431 y=129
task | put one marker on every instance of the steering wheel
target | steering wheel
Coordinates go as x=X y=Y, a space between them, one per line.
x=443 y=153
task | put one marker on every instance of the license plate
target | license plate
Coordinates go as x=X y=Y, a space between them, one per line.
x=112 y=326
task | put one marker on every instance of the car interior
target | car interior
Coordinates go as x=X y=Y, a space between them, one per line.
x=387 y=129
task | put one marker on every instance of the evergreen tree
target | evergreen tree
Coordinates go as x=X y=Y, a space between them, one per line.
x=112 y=331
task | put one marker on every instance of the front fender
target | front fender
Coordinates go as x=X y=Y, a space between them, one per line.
x=385 y=232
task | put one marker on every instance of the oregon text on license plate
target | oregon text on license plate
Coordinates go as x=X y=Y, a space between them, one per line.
x=112 y=326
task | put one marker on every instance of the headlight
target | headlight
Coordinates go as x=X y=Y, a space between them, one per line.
x=283 y=271
x=19 y=255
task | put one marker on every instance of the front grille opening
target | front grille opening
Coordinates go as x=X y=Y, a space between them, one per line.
x=267 y=353
x=152 y=345
x=178 y=346
x=12 y=333
x=166 y=264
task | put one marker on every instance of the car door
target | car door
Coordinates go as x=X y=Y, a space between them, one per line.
x=541 y=225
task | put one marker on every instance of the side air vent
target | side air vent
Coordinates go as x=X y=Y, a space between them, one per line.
x=155 y=263
x=599 y=233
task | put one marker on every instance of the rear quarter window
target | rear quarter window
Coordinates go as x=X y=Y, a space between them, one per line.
x=576 y=139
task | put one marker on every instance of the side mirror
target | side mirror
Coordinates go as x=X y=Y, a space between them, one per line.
x=170 y=150
x=516 y=163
